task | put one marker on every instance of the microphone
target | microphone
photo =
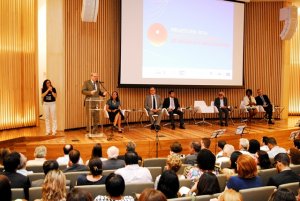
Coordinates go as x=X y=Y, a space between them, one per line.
x=99 y=82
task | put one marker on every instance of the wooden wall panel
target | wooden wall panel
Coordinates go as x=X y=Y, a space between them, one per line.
x=18 y=92
x=96 y=47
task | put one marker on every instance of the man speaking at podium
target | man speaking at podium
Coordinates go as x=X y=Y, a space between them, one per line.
x=91 y=90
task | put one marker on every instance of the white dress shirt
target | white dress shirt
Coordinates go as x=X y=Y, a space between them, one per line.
x=172 y=104
x=134 y=174
x=221 y=102
x=276 y=150
x=94 y=84
x=64 y=160
x=264 y=148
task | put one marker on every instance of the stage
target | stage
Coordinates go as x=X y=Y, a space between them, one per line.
x=25 y=140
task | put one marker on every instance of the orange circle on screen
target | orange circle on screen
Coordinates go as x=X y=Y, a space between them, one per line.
x=157 y=34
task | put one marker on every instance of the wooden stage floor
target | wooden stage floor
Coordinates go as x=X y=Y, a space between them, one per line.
x=25 y=140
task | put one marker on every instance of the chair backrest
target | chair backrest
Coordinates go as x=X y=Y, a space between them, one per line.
x=17 y=193
x=266 y=174
x=62 y=167
x=225 y=164
x=36 y=193
x=185 y=182
x=95 y=190
x=260 y=193
x=295 y=168
x=105 y=113
x=155 y=171
x=107 y=172
x=291 y=186
x=183 y=166
x=146 y=112
x=72 y=176
x=35 y=168
x=36 y=176
x=137 y=187
x=222 y=181
x=203 y=197
x=155 y=162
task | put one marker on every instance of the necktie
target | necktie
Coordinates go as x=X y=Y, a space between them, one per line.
x=262 y=98
x=94 y=85
x=154 y=103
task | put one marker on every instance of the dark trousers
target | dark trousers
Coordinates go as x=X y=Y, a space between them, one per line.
x=180 y=114
x=269 y=111
x=225 y=111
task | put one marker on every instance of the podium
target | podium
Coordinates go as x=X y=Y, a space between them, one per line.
x=95 y=109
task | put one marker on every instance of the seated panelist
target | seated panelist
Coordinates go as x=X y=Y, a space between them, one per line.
x=153 y=106
x=221 y=103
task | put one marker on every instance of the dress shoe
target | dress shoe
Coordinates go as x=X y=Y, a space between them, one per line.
x=157 y=127
x=221 y=124
x=270 y=122
x=173 y=126
x=152 y=127
x=182 y=126
x=226 y=124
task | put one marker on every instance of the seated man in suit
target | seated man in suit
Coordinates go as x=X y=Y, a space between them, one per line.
x=263 y=100
x=74 y=165
x=285 y=174
x=221 y=103
x=172 y=106
x=153 y=106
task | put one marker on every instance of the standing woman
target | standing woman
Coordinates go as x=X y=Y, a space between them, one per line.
x=113 y=107
x=49 y=96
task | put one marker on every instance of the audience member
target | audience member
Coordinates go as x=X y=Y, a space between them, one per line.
x=244 y=146
x=112 y=162
x=250 y=104
x=208 y=184
x=176 y=148
x=173 y=163
x=150 y=194
x=233 y=169
x=282 y=194
x=295 y=156
x=230 y=195
x=285 y=174
x=191 y=158
x=22 y=166
x=205 y=143
x=74 y=166
x=79 y=195
x=274 y=148
x=95 y=177
x=169 y=184
x=264 y=144
x=221 y=144
x=227 y=151
x=115 y=187
x=64 y=160
x=254 y=147
x=96 y=153
x=130 y=147
x=47 y=167
x=11 y=163
x=5 y=189
x=247 y=174
x=40 y=153
x=54 y=187
x=132 y=172
x=3 y=153
x=297 y=143
x=263 y=160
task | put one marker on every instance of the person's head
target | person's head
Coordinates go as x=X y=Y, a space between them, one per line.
x=50 y=165
x=206 y=160
x=112 y=152
x=176 y=147
x=254 y=146
x=233 y=158
x=67 y=148
x=168 y=184
x=172 y=94
x=265 y=140
x=244 y=144
x=3 y=153
x=249 y=92
x=79 y=195
x=297 y=143
x=259 y=92
x=74 y=156
x=131 y=158
x=115 y=185
x=46 y=84
x=230 y=195
x=282 y=194
x=281 y=161
x=221 y=94
x=23 y=161
x=130 y=146
x=208 y=184
x=54 y=186
x=205 y=143
x=246 y=166
x=5 y=189
x=11 y=162
x=115 y=96
x=263 y=160
x=228 y=150
x=174 y=162
x=94 y=77
x=95 y=165
x=152 y=90
x=221 y=144
x=271 y=142
x=195 y=147
x=150 y=194
x=97 y=151
x=295 y=156
x=40 y=152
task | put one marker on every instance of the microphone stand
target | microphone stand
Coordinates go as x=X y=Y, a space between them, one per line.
x=156 y=139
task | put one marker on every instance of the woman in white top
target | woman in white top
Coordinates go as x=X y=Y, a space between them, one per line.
x=250 y=104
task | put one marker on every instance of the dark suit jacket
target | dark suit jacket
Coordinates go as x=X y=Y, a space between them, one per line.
x=76 y=168
x=259 y=101
x=88 y=87
x=217 y=102
x=166 y=103
x=122 y=157
x=112 y=164
x=284 y=177
x=191 y=159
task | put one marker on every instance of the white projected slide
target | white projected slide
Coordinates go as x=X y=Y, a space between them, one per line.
x=175 y=42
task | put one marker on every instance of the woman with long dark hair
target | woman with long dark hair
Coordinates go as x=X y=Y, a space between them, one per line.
x=113 y=107
x=49 y=96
